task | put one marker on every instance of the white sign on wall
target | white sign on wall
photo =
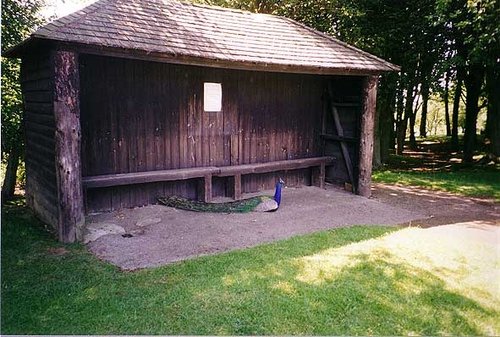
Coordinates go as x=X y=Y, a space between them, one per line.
x=212 y=97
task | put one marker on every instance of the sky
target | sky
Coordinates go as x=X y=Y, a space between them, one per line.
x=57 y=8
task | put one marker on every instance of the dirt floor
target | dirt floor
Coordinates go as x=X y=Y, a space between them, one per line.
x=156 y=235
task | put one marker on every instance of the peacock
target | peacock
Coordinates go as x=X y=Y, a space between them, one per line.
x=254 y=204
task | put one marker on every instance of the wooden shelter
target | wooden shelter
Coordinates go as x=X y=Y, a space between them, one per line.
x=127 y=100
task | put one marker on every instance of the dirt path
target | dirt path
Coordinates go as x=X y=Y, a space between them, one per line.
x=439 y=208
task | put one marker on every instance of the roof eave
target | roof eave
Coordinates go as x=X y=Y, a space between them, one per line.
x=17 y=50
x=215 y=63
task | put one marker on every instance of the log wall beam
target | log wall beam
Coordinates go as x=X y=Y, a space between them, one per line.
x=67 y=145
x=367 y=136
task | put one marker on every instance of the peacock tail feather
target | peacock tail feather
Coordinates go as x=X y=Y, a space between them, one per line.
x=240 y=206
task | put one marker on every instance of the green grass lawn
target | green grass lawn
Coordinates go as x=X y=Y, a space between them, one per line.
x=351 y=281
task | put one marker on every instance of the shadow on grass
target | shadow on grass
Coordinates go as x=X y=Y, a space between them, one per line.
x=469 y=182
x=289 y=287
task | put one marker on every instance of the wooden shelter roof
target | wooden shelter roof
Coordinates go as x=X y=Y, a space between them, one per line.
x=194 y=34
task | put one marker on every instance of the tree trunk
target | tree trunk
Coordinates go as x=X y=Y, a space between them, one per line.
x=387 y=126
x=473 y=83
x=425 y=100
x=456 y=108
x=412 y=117
x=9 y=183
x=385 y=119
x=493 y=117
x=377 y=157
x=401 y=122
x=446 y=99
x=408 y=111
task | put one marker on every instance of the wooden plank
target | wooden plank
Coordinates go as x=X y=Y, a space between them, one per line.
x=340 y=139
x=147 y=177
x=39 y=128
x=42 y=96
x=367 y=135
x=182 y=108
x=41 y=119
x=43 y=84
x=166 y=115
x=41 y=160
x=45 y=108
x=67 y=149
x=175 y=136
x=282 y=165
x=43 y=149
x=39 y=74
x=340 y=132
x=192 y=96
x=344 y=104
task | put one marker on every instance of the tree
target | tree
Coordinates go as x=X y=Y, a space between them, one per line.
x=473 y=28
x=18 y=19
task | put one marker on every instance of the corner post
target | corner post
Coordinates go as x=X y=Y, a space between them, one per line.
x=367 y=135
x=67 y=145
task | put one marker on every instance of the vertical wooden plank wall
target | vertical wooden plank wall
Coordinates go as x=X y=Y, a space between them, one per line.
x=37 y=82
x=139 y=116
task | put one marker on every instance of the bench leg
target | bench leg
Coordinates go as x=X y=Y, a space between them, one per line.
x=322 y=172
x=205 y=188
x=237 y=186
x=318 y=176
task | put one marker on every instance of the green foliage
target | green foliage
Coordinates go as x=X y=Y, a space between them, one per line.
x=349 y=281
x=11 y=105
x=19 y=18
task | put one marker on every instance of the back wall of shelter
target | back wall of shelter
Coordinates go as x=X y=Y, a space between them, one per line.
x=143 y=116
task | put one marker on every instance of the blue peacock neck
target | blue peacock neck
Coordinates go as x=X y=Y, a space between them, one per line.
x=277 y=193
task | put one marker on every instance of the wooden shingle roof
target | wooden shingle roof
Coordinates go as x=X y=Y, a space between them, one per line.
x=198 y=34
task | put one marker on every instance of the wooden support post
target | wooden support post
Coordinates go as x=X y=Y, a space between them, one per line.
x=318 y=174
x=322 y=172
x=237 y=186
x=367 y=134
x=67 y=145
x=207 y=195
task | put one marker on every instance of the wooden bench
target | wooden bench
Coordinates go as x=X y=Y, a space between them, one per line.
x=156 y=176
x=206 y=173
x=237 y=171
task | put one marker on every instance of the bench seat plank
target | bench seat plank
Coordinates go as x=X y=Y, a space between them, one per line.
x=147 y=177
x=282 y=165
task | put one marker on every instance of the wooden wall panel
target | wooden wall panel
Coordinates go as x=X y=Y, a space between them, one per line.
x=140 y=116
x=37 y=84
